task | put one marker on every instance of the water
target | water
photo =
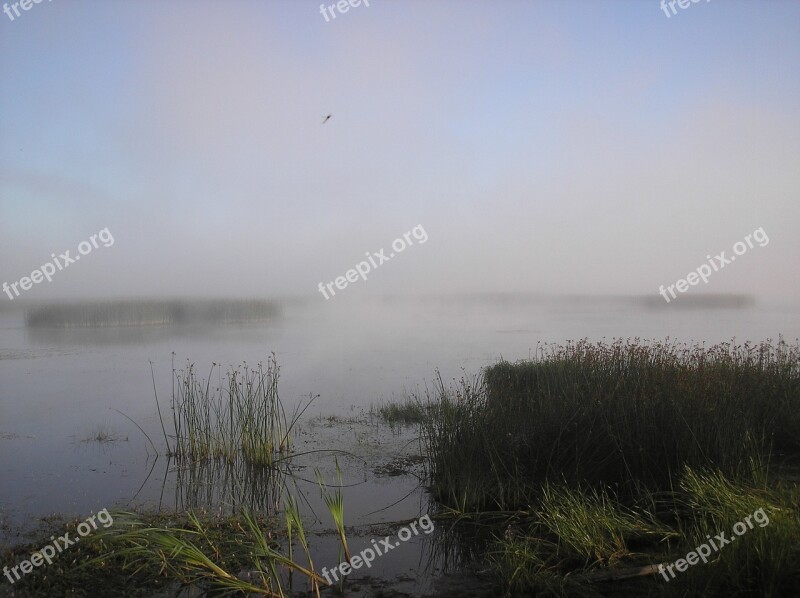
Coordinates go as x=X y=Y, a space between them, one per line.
x=57 y=387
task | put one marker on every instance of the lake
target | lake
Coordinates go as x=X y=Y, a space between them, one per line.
x=61 y=387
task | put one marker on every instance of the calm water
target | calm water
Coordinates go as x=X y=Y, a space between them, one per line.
x=57 y=386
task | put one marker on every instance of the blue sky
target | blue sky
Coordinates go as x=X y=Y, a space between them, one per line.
x=562 y=146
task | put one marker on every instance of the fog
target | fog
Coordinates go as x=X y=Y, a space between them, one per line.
x=581 y=148
x=337 y=266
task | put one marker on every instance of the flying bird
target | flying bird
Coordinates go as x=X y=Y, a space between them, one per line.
x=327 y=118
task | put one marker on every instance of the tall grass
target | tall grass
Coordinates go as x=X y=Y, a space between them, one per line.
x=629 y=414
x=617 y=457
x=241 y=415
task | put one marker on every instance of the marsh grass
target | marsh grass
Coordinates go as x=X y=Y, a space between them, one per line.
x=593 y=525
x=627 y=414
x=232 y=444
x=172 y=553
x=573 y=532
x=627 y=454
x=241 y=414
x=241 y=554
x=764 y=561
x=146 y=554
x=230 y=555
x=84 y=570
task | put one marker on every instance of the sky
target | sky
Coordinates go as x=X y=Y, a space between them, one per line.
x=581 y=147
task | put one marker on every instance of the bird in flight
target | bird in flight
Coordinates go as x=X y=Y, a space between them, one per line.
x=327 y=118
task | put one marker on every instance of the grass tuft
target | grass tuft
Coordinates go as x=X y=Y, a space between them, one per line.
x=241 y=415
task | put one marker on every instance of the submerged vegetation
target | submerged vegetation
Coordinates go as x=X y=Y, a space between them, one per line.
x=150 y=313
x=627 y=454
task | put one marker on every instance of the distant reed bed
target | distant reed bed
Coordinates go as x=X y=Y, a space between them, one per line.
x=150 y=313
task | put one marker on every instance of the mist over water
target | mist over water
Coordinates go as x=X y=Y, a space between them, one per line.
x=60 y=383
x=379 y=197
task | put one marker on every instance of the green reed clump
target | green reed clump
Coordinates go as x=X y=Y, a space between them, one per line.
x=459 y=449
x=241 y=415
x=629 y=414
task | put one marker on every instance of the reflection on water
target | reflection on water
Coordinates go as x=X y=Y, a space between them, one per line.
x=222 y=485
x=125 y=335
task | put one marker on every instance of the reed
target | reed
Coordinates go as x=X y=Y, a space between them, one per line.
x=335 y=503
x=625 y=455
x=295 y=528
x=241 y=415
x=627 y=414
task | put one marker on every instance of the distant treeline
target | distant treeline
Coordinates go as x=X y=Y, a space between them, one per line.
x=653 y=300
x=702 y=301
x=150 y=313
